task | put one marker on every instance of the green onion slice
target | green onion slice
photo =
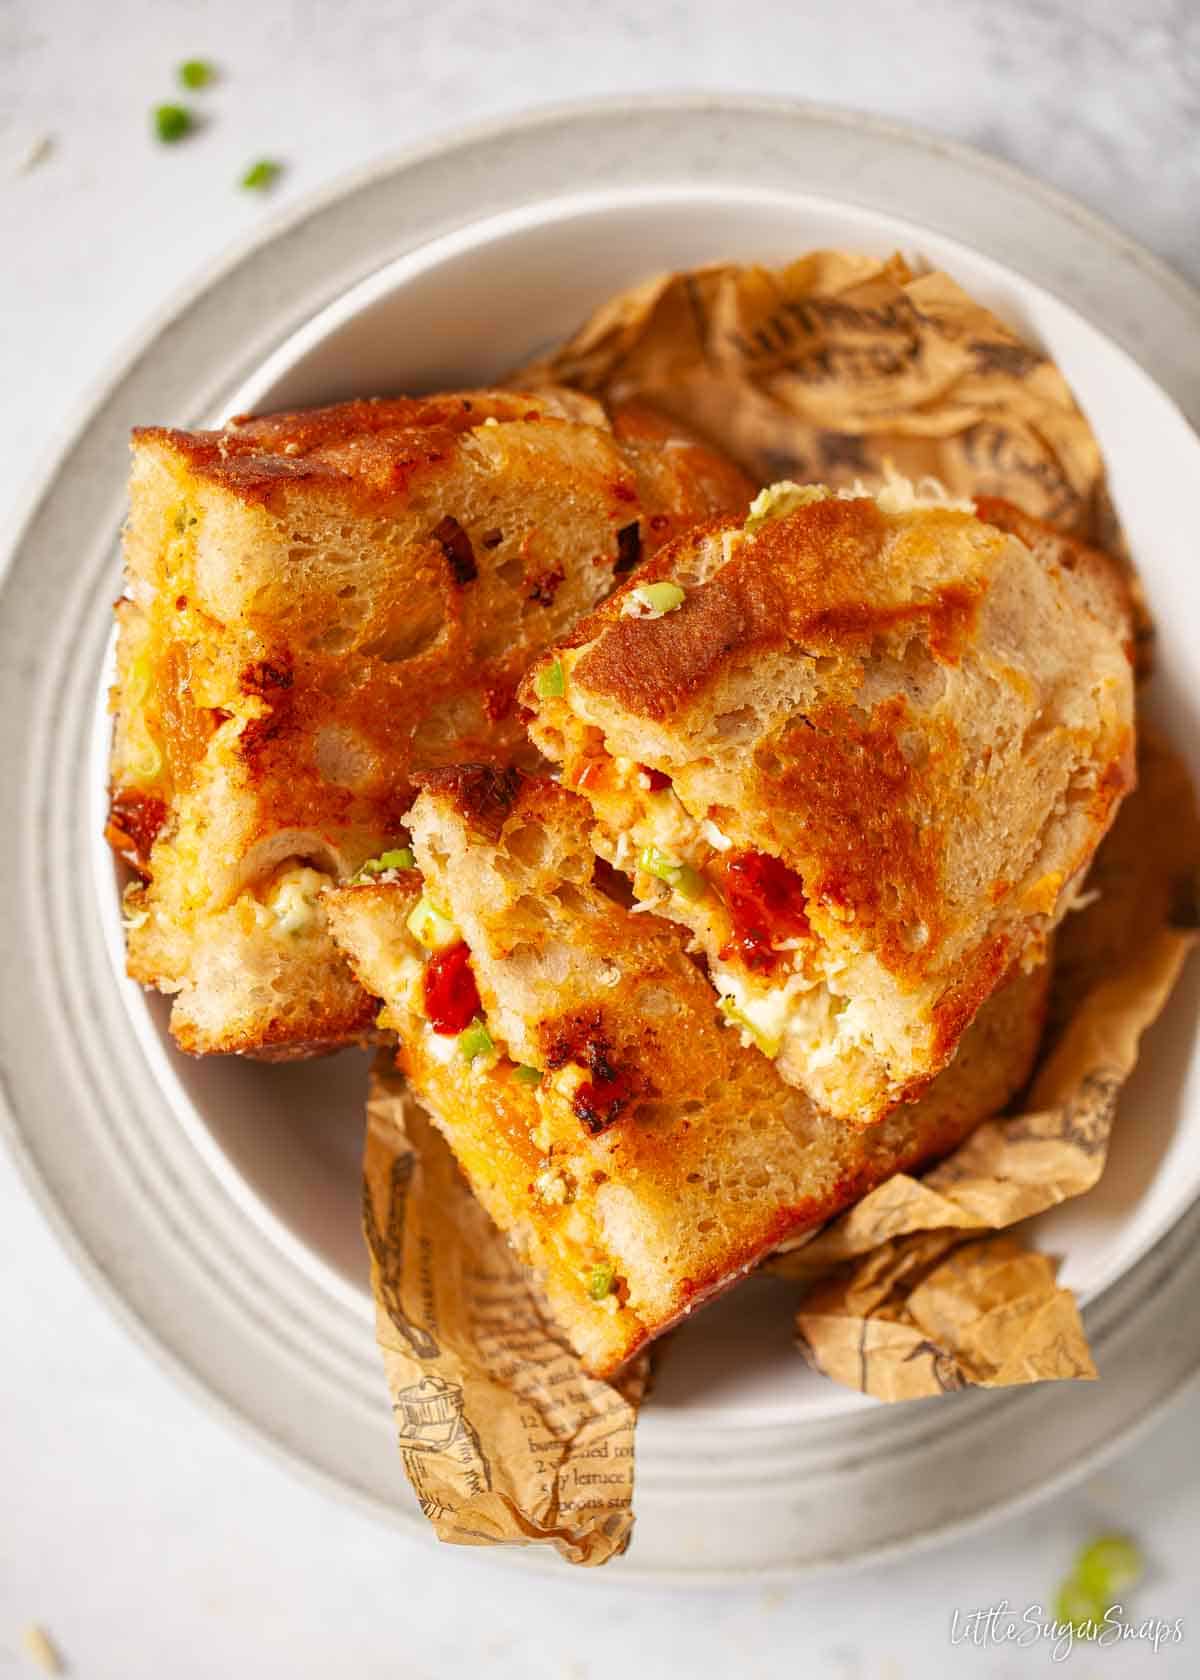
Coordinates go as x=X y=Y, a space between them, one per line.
x=474 y=1041
x=550 y=684
x=680 y=877
x=196 y=72
x=261 y=175
x=432 y=927
x=658 y=598
x=1109 y=1566
x=171 y=123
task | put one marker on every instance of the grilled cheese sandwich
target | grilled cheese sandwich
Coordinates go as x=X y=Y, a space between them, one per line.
x=635 y=1152
x=863 y=748
x=318 y=604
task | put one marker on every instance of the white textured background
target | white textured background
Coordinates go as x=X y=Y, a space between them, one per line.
x=147 y=1538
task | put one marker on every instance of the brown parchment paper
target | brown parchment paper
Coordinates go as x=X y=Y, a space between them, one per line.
x=820 y=370
x=502 y=1435
x=825 y=370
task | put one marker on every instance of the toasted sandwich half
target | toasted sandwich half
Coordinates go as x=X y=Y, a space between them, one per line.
x=638 y=1155
x=863 y=748
x=318 y=603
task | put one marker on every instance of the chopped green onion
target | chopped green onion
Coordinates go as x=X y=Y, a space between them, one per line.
x=680 y=877
x=1109 y=1566
x=736 y=1018
x=550 y=684
x=1076 y=1608
x=196 y=72
x=432 y=927
x=400 y=858
x=600 y=1281
x=657 y=863
x=1104 y=1569
x=689 y=882
x=780 y=499
x=657 y=599
x=172 y=122
x=475 y=1040
x=525 y=1075
x=261 y=175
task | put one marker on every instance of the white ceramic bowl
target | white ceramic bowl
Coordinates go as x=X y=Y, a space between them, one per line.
x=221 y=1198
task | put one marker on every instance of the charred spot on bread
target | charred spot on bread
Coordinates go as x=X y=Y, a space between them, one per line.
x=544 y=587
x=579 y=1038
x=265 y=675
x=455 y=544
x=599 y=1103
x=482 y=795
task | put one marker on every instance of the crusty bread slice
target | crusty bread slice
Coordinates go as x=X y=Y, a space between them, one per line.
x=864 y=748
x=658 y=1158
x=318 y=603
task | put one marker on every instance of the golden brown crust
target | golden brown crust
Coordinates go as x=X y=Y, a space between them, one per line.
x=924 y=717
x=1113 y=596
x=318 y=1031
x=862 y=800
x=369 y=448
x=800 y=583
x=324 y=602
x=482 y=795
x=679 y=476
x=683 y=1157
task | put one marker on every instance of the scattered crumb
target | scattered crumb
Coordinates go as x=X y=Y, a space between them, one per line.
x=27 y=155
x=41 y=1649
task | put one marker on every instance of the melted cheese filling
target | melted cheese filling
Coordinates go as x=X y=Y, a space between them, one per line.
x=801 y=1012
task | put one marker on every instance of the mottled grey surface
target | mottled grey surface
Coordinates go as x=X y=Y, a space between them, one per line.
x=149 y=1539
x=1100 y=98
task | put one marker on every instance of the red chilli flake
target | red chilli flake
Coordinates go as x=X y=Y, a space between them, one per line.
x=451 y=995
x=766 y=903
x=655 y=777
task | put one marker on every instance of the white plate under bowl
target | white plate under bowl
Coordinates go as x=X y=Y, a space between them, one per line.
x=219 y=1200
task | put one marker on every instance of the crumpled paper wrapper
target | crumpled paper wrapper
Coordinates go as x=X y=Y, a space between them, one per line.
x=503 y=1436
x=824 y=370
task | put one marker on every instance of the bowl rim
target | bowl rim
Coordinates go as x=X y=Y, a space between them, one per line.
x=273 y=237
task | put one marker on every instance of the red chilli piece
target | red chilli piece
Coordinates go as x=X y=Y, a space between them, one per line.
x=451 y=995
x=766 y=903
x=600 y=1102
x=134 y=821
x=658 y=781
